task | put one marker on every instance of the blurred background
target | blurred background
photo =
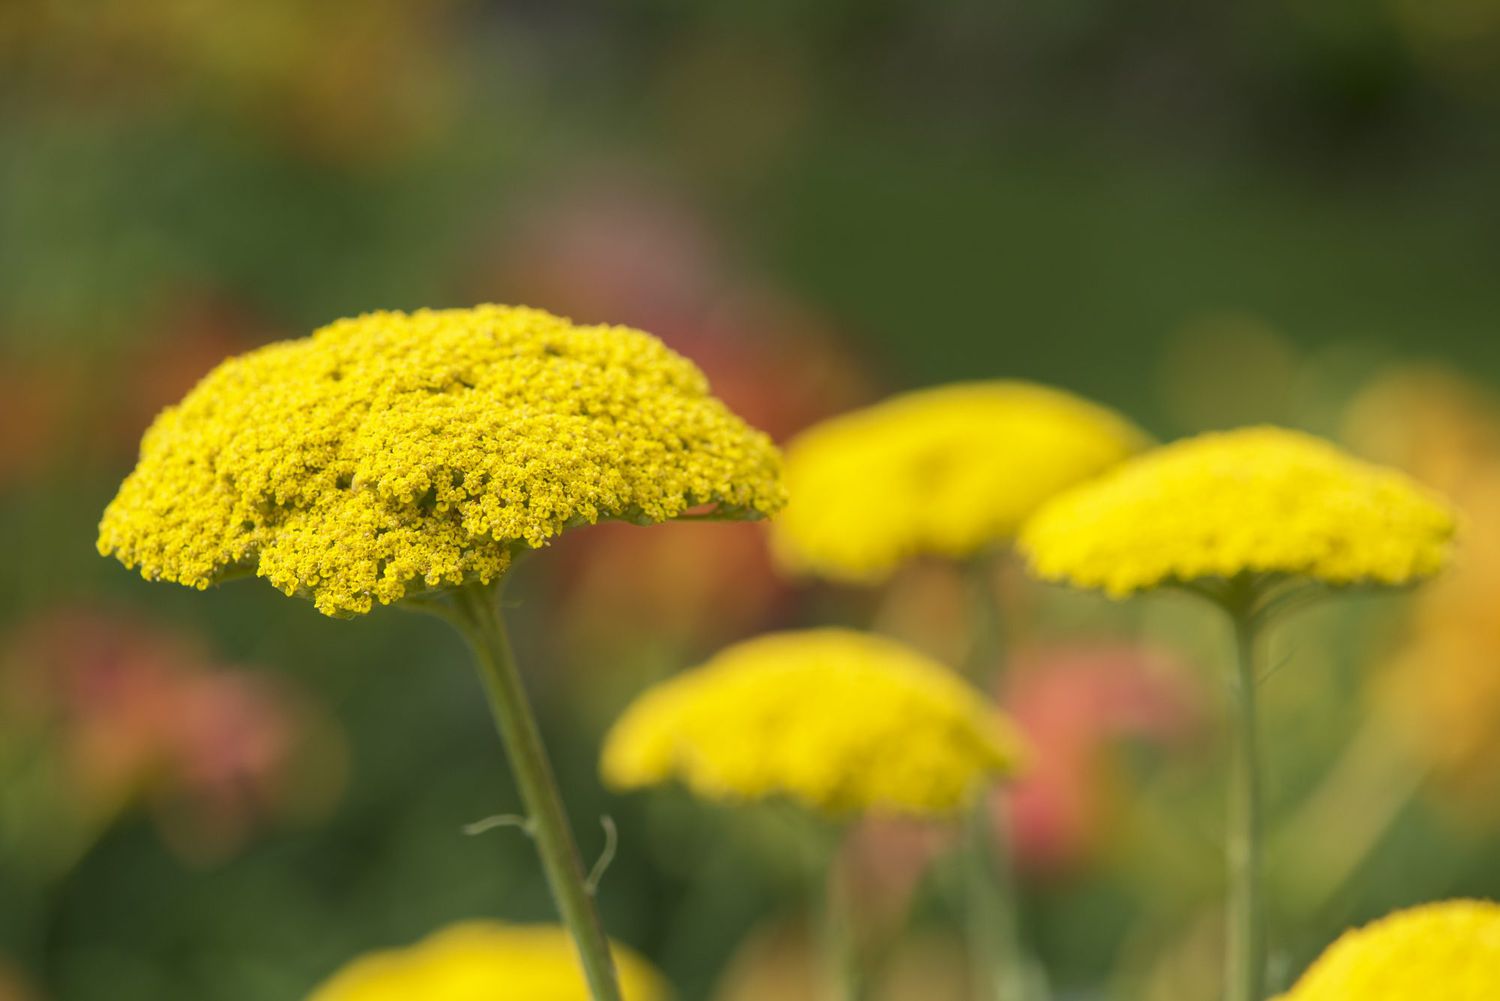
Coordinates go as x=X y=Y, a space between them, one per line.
x=1203 y=215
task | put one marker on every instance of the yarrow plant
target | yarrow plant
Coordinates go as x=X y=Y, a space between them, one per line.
x=1257 y=521
x=410 y=458
x=1448 y=950
x=483 y=960
x=839 y=722
x=950 y=471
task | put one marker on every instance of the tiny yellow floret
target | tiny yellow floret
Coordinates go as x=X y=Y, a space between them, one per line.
x=947 y=471
x=840 y=721
x=395 y=453
x=483 y=961
x=1259 y=500
x=1448 y=951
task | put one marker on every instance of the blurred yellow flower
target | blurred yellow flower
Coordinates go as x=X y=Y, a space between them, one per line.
x=1441 y=693
x=841 y=721
x=1448 y=951
x=946 y=471
x=1259 y=500
x=395 y=452
x=482 y=961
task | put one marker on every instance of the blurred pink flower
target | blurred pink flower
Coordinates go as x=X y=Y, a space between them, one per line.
x=608 y=247
x=1074 y=705
x=139 y=714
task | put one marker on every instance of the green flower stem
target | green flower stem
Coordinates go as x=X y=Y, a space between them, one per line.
x=841 y=933
x=987 y=646
x=1245 y=965
x=480 y=622
x=1001 y=968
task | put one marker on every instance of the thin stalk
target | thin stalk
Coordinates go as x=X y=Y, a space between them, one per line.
x=987 y=646
x=1245 y=965
x=841 y=935
x=547 y=824
x=1001 y=966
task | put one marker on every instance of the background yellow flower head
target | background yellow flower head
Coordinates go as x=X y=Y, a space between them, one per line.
x=1256 y=500
x=398 y=452
x=841 y=721
x=1447 y=952
x=483 y=961
x=945 y=471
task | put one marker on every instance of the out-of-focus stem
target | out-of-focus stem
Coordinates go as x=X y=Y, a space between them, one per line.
x=987 y=643
x=547 y=824
x=1001 y=967
x=846 y=959
x=1245 y=964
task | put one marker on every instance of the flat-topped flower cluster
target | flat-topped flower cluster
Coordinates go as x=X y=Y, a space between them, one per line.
x=1259 y=500
x=394 y=452
x=840 y=721
x=949 y=471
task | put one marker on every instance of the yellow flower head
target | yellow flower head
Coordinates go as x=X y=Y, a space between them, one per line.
x=1449 y=950
x=1258 y=500
x=394 y=453
x=843 y=722
x=482 y=961
x=945 y=471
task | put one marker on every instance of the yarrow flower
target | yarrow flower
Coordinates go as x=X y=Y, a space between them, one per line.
x=841 y=721
x=483 y=960
x=410 y=456
x=948 y=471
x=1448 y=950
x=1254 y=501
x=396 y=453
x=1254 y=521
